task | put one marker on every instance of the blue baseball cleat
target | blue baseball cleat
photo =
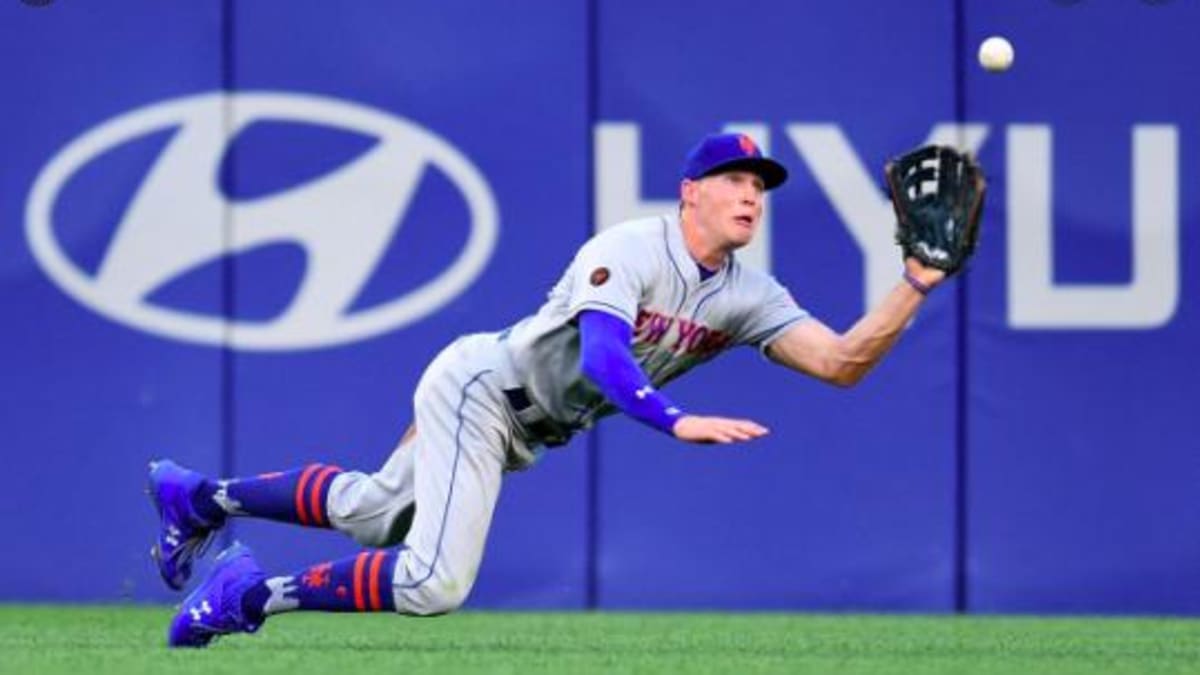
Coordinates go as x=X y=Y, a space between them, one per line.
x=215 y=607
x=183 y=535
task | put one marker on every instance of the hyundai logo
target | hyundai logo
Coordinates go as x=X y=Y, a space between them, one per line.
x=343 y=220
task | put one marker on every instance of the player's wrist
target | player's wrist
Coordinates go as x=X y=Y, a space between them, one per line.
x=921 y=278
x=916 y=284
x=665 y=418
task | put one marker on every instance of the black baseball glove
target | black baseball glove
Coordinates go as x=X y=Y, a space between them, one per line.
x=937 y=193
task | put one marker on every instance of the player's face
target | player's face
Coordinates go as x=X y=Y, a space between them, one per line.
x=729 y=205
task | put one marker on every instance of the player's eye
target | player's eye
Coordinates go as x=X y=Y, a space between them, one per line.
x=738 y=178
x=742 y=178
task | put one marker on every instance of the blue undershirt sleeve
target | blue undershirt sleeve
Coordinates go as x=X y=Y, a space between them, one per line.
x=606 y=360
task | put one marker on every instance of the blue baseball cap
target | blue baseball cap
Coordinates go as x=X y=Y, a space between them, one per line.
x=718 y=153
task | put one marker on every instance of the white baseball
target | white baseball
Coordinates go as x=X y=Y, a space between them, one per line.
x=996 y=54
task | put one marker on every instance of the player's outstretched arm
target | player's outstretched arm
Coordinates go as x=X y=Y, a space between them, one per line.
x=813 y=348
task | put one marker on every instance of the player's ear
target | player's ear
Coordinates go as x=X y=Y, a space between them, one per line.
x=687 y=191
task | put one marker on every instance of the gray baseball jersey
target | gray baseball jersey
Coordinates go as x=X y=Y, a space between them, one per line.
x=483 y=403
x=642 y=272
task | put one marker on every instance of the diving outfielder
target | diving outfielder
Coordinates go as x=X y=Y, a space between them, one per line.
x=641 y=304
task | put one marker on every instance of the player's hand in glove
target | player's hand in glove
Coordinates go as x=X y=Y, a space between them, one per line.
x=937 y=193
x=699 y=429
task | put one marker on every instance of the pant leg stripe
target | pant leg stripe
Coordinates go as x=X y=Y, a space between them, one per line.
x=449 y=492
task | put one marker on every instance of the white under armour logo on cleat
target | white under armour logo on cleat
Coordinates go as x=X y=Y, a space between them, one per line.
x=200 y=611
x=173 y=534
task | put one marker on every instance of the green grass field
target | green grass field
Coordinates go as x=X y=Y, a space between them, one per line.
x=84 y=640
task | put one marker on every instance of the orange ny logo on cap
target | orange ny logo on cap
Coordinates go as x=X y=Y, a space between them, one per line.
x=747 y=144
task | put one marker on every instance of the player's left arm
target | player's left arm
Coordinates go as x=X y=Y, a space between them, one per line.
x=937 y=193
x=813 y=348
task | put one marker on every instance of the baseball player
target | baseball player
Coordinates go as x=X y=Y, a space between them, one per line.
x=641 y=304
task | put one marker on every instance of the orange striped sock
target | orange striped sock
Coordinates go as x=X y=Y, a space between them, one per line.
x=296 y=496
x=360 y=583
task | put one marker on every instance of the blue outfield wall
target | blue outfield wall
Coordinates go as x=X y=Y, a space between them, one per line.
x=1082 y=427
x=234 y=233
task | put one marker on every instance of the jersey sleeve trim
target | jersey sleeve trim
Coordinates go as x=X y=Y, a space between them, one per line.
x=764 y=340
x=602 y=307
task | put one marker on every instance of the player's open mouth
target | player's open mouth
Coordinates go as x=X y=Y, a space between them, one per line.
x=744 y=220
